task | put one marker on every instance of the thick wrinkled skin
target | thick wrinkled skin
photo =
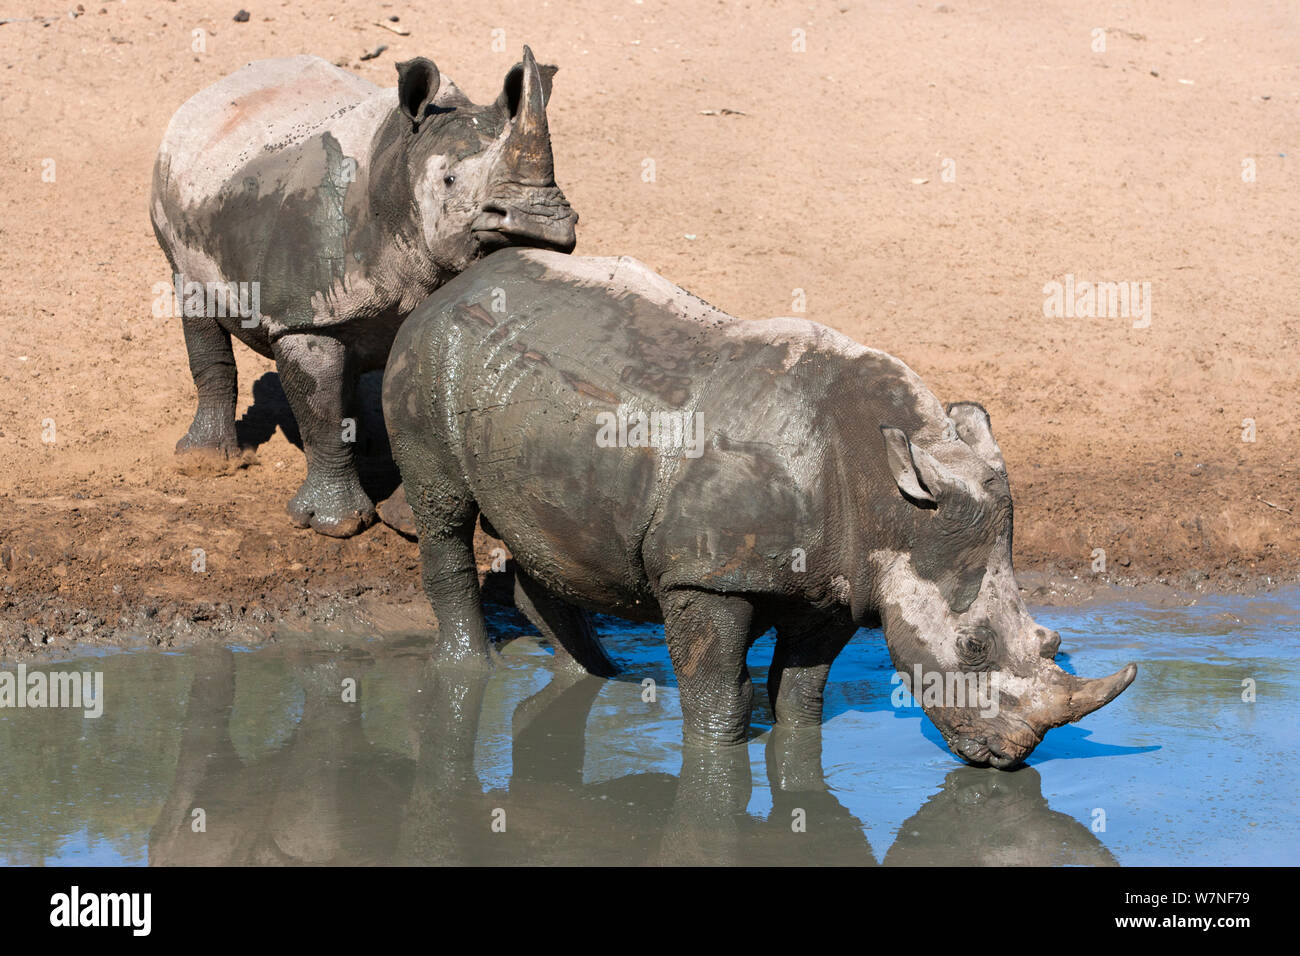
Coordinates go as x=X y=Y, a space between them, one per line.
x=810 y=484
x=336 y=206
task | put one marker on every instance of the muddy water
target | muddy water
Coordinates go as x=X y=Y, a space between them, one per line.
x=229 y=756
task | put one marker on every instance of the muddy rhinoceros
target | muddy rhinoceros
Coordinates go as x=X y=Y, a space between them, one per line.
x=646 y=455
x=328 y=207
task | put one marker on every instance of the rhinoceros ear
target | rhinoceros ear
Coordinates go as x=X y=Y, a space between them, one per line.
x=920 y=476
x=901 y=456
x=417 y=85
x=976 y=430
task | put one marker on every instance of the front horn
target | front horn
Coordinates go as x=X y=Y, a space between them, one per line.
x=1069 y=698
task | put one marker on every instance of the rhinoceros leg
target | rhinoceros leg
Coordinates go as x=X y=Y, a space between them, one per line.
x=800 y=666
x=212 y=364
x=450 y=577
x=320 y=384
x=569 y=629
x=708 y=635
x=445 y=523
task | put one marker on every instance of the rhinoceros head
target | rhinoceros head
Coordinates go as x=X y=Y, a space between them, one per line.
x=959 y=634
x=481 y=177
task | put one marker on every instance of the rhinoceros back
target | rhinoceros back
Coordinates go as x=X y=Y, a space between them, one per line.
x=268 y=105
x=252 y=179
x=518 y=368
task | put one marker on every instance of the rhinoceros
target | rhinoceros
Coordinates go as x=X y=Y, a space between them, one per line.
x=339 y=206
x=646 y=455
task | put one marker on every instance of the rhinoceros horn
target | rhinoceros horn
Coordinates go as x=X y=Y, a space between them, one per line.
x=1062 y=698
x=530 y=142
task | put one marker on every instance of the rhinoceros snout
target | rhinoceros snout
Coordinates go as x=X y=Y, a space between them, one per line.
x=548 y=222
x=1058 y=698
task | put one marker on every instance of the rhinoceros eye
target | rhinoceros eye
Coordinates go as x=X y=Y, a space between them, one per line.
x=975 y=646
x=449 y=179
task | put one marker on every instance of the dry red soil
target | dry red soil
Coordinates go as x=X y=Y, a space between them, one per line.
x=919 y=171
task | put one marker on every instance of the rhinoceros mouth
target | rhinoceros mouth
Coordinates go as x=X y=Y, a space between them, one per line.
x=980 y=753
x=1003 y=747
x=490 y=240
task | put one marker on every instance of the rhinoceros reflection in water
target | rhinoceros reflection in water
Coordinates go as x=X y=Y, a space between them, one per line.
x=330 y=794
x=982 y=818
x=297 y=804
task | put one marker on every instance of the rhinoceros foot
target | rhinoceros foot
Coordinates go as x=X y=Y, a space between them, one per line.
x=211 y=434
x=337 y=507
x=205 y=458
x=395 y=512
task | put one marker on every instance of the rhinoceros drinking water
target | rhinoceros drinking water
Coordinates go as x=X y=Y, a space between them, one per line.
x=341 y=205
x=647 y=455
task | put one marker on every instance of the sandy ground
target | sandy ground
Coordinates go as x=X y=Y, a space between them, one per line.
x=919 y=171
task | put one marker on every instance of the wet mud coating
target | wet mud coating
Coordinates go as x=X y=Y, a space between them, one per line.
x=333 y=207
x=642 y=453
x=528 y=764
